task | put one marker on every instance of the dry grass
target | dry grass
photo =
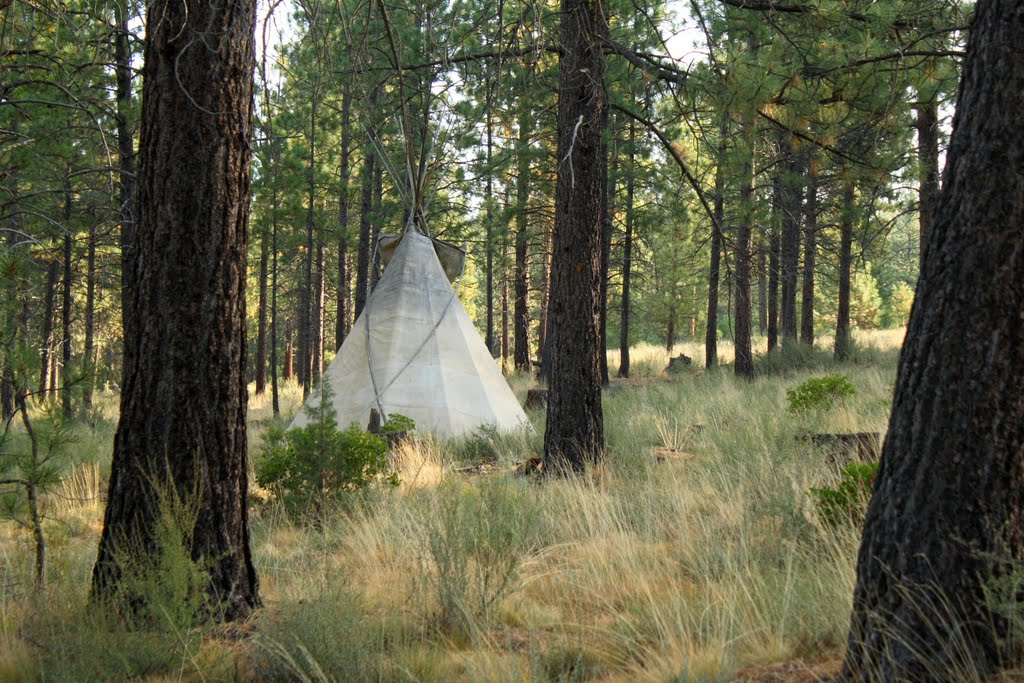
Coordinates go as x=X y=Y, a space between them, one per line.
x=691 y=569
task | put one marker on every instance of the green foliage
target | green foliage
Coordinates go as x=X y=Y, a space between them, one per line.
x=396 y=423
x=900 y=301
x=476 y=541
x=32 y=464
x=847 y=501
x=312 y=465
x=819 y=393
x=865 y=301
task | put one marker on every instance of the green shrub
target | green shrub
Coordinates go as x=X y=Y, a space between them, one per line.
x=847 y=501
x=819 y=393
x=312 y=465
x=397 y=422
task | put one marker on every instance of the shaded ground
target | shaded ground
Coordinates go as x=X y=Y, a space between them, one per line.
x=793 y=671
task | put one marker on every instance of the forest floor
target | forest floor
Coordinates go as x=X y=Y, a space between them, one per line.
x=710 y=563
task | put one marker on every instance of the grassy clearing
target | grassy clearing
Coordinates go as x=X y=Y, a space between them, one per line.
x=689 y=569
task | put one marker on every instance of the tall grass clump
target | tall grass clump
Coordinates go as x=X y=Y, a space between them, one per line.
x=322 y=637
x=474 y=544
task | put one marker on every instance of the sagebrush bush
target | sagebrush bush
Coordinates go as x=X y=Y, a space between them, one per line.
x=323 y=637
x=476 y=540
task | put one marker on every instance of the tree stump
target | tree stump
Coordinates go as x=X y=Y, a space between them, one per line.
x=531 y=466
x=536 y=398
x=846 y=448
x=678 y=364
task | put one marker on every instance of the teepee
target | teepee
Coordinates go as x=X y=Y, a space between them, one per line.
x=414 y=350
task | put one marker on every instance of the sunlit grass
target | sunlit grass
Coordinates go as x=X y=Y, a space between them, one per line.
x=686 y=569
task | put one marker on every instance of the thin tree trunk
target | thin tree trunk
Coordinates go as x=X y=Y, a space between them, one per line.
x=744 y=366
x=378 y=223
x=317 y=316
x=489 y=224
x=938 y=595
x=670 y=331
x=126 y=160
x=762 y=285
x=574 y=435
x=810 y=247
x=607 y=201
x=306 y=289
x=714 y=272
x=627 y=256
x=790 y=238
x=7 y=392
x=181 y=437
x=842 y=344
x=289 y=357
x=773 y=265
x=341 y=325
x=46 y=353
x=365 y=226
x=261 y=329
x=521 y=313
x=274 y=389
x=32 y=495
x=927 y=124
x=65 y=310
x=545 y=307
x=505 y=350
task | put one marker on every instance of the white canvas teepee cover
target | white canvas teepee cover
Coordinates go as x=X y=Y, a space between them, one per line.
x=415 y=351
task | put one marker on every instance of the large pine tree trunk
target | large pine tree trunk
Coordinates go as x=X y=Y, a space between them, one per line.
x=183 y=401
x=938 y=574
x=574 y=436
x=810 y=247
